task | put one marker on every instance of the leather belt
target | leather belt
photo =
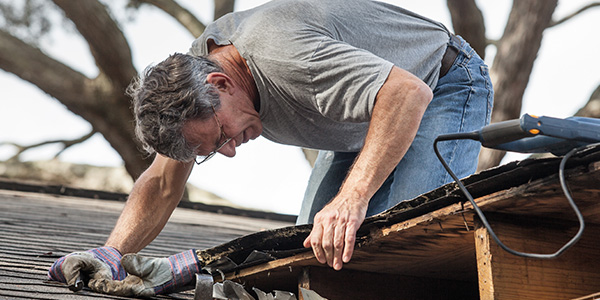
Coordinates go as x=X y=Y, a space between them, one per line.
x=449 y=56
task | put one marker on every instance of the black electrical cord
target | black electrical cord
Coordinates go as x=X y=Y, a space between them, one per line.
x=475 y=136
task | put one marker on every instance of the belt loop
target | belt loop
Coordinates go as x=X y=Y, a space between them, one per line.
x=455 y=41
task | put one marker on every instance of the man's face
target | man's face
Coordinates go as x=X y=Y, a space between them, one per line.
x=238 y=120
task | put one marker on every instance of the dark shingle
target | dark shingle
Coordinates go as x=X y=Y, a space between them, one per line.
x=36 y=229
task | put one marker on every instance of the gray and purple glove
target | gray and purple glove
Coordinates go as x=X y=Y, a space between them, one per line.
x=158 y=276
x=107 y=271
x=98 y=264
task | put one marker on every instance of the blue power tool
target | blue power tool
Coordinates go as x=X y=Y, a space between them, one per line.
x=532 y=134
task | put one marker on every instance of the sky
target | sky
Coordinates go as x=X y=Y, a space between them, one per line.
x=264 y=175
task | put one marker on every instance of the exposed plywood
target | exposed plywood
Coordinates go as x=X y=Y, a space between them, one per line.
x=435 y=245
x=505 y=276
x=433 y=238
x=280 y=274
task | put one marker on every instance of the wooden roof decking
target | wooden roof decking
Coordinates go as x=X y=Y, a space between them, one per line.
x=434 y=246
x=36 y=229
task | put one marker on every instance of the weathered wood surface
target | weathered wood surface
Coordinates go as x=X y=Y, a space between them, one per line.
x=440 y=244
x=505 y=276
x=36 y=229
x=433 y=237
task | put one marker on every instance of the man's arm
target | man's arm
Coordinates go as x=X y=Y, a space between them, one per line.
x=155 y=195
x=399 y=108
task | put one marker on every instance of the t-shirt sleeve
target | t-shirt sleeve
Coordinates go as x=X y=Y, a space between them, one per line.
x=198 y=48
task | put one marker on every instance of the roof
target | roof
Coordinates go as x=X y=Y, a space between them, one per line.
x=433 y=246
x=37 y=228
x=430 y=247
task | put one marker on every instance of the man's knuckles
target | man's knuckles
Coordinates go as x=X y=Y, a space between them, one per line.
x=338 y=244
x=327 y=245
x=130 y=286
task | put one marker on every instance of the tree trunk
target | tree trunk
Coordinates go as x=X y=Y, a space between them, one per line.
x=517 y=50
x=467 y=21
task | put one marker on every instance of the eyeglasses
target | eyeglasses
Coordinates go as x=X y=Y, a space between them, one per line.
x=200 y=158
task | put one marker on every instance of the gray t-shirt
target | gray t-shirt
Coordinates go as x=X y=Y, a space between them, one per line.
x=318 y=64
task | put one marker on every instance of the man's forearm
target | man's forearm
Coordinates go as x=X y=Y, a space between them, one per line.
x=154 y=197
x=399 y=107
x=142 y=219
x=396 y=118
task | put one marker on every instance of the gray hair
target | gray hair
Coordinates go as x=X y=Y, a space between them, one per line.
x=166 y=96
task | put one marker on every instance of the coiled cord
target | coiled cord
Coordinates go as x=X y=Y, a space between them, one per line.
x=563 y=184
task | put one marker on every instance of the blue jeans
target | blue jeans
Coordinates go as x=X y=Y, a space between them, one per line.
x=462 y=102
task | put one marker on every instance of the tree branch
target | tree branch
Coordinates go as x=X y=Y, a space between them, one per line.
x=572 y=15
x=182 y=15
x=77 y=92
x=65 y=144
x=97 y=101
x=110 y=113
x=50 y=75
x=223 y=7
x=107 y=43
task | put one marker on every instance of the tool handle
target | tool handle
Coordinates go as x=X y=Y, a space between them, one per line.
x=502 y=132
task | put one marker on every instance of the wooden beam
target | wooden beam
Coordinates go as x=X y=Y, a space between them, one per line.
x=484 y=262
x=506 y=276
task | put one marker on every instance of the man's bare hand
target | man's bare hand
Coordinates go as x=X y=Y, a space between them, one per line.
x=334 y=231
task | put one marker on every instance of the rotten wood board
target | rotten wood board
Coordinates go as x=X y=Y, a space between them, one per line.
x=440 y=244
x=439 y=240
x=435 y=245
x=288 y=241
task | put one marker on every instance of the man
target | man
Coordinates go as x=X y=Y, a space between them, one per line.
x=369 y=84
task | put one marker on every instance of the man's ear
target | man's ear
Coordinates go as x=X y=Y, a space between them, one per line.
x=221 y=81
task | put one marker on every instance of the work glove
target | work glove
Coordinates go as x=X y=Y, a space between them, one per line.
x=157 y=276
x=102 y=263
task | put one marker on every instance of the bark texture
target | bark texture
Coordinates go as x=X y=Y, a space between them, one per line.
x=516 y=53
